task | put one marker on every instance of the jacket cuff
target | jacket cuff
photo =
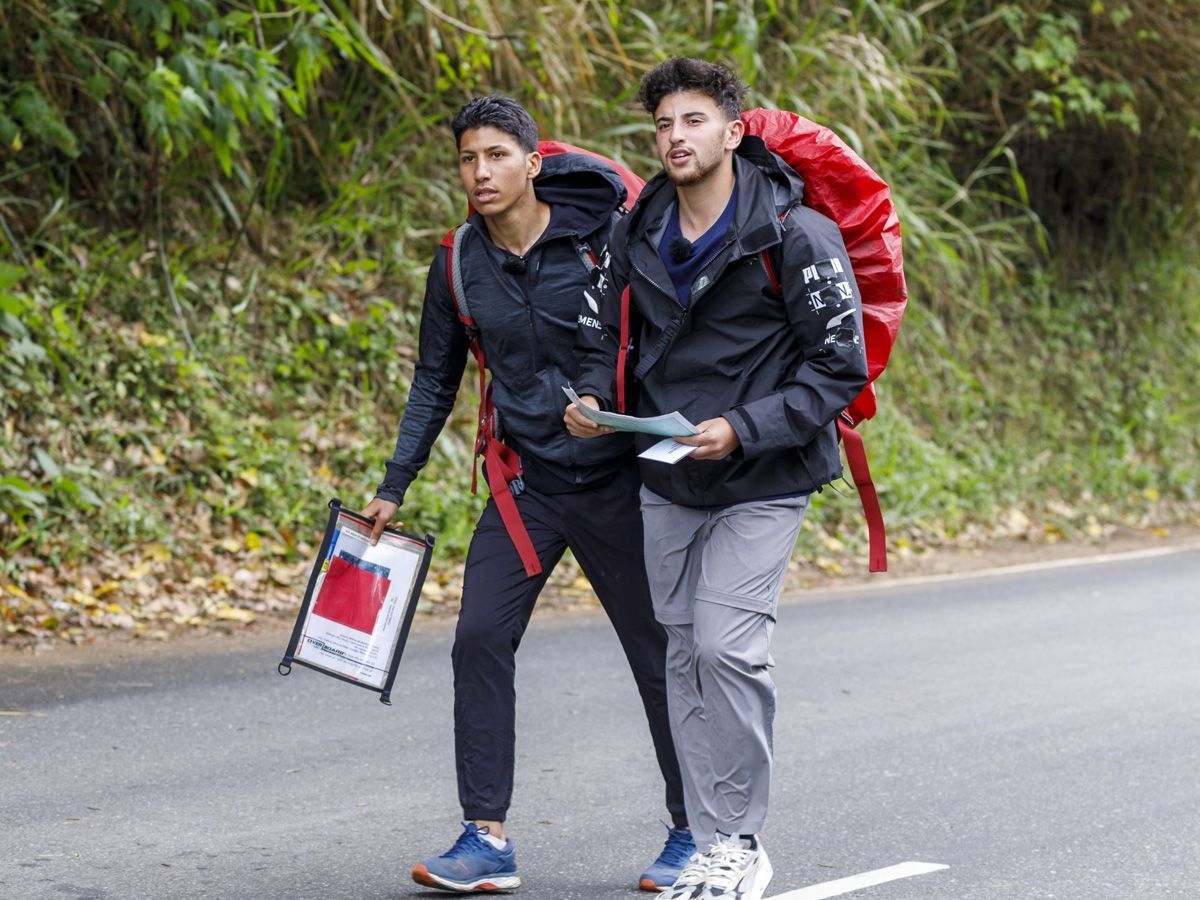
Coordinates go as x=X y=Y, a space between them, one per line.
x=391 y=495
x=746 y=431
x=584 y=389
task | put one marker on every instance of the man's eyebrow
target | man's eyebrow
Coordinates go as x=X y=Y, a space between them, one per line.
x=686 y=115
x=485 y=149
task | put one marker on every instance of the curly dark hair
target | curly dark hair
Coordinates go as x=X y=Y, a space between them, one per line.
x=497 y=111
x=682 y=73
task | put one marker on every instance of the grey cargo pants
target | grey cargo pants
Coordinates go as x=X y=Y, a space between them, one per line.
x=715 y=577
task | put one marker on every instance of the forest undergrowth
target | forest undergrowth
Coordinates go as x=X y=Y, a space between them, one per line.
x=217 y=218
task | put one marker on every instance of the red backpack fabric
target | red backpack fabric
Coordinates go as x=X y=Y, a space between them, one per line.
x=502 y=465
x=838 y=184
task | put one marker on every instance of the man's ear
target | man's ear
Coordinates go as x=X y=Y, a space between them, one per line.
x=733 y=137
x=534 y=162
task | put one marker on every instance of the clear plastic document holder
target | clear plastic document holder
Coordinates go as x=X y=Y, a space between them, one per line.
x=359 y=604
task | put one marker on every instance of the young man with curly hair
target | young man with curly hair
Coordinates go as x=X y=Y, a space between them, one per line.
x=764 y=372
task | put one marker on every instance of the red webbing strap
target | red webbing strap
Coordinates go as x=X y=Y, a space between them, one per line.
x=623 y=350
x=502 y=465
x=856 y=456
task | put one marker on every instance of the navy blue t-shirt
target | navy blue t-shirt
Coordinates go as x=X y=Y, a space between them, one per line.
x=704 y=248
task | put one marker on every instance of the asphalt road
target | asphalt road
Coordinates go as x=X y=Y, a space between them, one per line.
x=1038 y=733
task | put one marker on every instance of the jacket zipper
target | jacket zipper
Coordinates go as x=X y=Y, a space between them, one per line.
x=674 y=298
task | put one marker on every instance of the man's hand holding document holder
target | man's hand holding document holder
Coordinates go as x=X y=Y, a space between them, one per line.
x=359 y=604
x=669 y=426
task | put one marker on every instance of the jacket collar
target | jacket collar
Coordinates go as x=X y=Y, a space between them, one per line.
x=767 y=187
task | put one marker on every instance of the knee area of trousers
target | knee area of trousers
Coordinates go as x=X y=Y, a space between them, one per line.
x=712 y=657
x=715 y=655
x=480 y=637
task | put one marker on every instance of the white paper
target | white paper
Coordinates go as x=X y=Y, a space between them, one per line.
x=356 y=640
x=669 y=425
x=668 y=451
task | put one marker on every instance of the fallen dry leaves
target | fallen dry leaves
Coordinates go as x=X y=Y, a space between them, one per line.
x=156 y=592
x=224 y=584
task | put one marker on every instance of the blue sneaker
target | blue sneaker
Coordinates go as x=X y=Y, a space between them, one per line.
x=472 y=864
x=664 y=871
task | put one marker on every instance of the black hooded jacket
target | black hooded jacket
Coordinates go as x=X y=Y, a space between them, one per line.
x=779 y=367
x=526 y=323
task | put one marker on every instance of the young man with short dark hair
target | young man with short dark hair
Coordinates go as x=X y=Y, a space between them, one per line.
x=764 y=372
x=521 y=261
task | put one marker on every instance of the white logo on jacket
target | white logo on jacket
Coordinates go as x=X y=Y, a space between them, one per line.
x=823 y=269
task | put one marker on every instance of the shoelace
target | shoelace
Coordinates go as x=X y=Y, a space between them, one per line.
x=727 y=865
x=678 y=848
x=695 y=871
x=468 y=844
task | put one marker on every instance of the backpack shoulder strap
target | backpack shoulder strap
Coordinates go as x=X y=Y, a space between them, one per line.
x=455 y=280
x=591 y=256
x=773 y=265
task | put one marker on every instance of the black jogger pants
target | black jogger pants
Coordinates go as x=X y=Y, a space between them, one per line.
x=603 y=528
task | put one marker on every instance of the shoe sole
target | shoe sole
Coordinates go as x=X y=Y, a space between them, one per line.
x=647 y=885
x=422 y=875
x=693 y=891
x=762 y=878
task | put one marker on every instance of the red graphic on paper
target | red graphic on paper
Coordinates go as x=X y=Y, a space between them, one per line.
x=351 y=596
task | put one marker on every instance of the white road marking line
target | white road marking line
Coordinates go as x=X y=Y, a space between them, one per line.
x=857 y=882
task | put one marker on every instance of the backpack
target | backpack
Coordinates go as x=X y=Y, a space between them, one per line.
x=502 y=465
x=838 y=184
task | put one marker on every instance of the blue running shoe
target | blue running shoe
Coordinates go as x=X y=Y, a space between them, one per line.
x=471 y=865
x=664 y=871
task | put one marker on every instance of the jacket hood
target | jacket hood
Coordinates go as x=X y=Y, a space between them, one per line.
x=787 y=186
x=583 y=191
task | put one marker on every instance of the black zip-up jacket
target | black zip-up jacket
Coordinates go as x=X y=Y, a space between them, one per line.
x=779 y=368
x=526 y=325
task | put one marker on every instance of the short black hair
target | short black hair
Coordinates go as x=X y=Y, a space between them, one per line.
x=682 y=73
x=497 y=111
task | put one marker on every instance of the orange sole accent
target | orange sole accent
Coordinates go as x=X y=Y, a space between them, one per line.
x=421 y=876
x=647 y=885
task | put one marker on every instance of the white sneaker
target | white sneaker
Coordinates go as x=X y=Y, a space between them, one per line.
x=690 y=882
x=736 y=872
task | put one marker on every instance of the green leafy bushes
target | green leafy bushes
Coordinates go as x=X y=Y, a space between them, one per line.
x=218 y=217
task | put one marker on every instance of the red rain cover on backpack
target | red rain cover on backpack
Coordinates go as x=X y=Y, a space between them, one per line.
x=838 y=184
